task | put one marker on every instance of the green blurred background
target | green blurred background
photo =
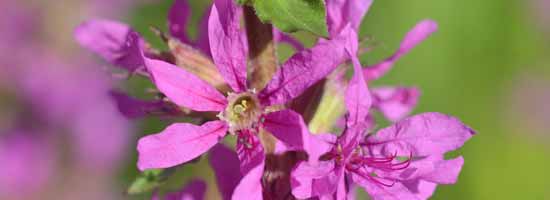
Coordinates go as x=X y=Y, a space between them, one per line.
x=470 y=69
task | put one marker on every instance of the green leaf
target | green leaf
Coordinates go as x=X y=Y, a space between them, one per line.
x=293 y=15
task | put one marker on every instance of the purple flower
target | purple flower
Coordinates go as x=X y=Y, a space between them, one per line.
x=244 y=112
x=194 y=190
x=135 y=108
x=403 y=161
x=17 y=151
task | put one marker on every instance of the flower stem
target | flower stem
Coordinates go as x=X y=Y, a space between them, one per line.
x=262 y=55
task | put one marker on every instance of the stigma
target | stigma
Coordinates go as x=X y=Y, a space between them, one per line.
x=243 y=111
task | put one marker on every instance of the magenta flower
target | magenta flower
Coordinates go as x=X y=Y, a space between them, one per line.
x=242 y=113
x=194 y=190
x=403 y=161
x=393 y=102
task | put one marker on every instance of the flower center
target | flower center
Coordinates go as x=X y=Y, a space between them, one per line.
x=243 y=111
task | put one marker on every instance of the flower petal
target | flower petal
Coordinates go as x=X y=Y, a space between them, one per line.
x=225 y=163
x=304 y=69
x=395 y=102
x=115 y=42
x=281 y=37
x=288 y=127
x=194 y=190
x=179 y=143
x=184 y=88
x=250 y=151
x=312 y=180
x=380 y=192
x=178 y=18
x=134 y=108
x=421 y=189
x=357 y=97
x=421 y=135
x=250 y=186
x=445 y=171
x=227 y=43
x=202 y=41
x=418 y=34
x=342 y=12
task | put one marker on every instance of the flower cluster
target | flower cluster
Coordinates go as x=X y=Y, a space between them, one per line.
x=276 y=155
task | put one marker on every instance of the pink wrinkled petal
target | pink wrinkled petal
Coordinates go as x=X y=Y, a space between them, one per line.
x=172 y=146
x=250 y=186
x=395 y=102
x=178 y=18
x=318 y=145
x=227 y=43
x=418 y=34
x=312 y=180
x=281 y=37
x=421 y=189
x=342 y=12
x=445 y=171
x=380 y=192
x=115 y=42
x=184 y=88
x=288 y=127
x=422 y=135
x=304 y=69
x=225 y=163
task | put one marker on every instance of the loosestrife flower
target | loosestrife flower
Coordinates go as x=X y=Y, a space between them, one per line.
x=403 y=161
x=245 y=111
x=394 y=102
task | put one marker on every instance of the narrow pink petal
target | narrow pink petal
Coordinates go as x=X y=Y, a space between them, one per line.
x=395 y=102
x=227 y=43
x=115 y=42
x=418 y=34
x=184 y=88
x=177 y=144
x=304 y=69
x=225 y=163
x=288 y=127
x=250 y=186
x=194 y=190
x=311 y=180
x=281 y=37
x=342 y=12
x=357 y=97
x=341 y=191
x=178 y=18
x=422 y=135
